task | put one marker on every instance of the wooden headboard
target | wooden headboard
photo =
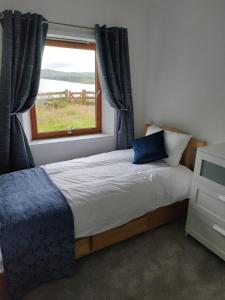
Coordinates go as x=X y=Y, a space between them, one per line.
x=188 y=157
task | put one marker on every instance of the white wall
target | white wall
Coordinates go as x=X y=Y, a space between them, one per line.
x=186 y=81
x=125 y=13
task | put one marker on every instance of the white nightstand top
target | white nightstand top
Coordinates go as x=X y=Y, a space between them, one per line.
x=215 y=149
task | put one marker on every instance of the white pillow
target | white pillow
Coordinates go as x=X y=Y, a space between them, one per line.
x=175 y=144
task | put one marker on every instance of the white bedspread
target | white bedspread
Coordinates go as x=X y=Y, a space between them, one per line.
x=106 y=190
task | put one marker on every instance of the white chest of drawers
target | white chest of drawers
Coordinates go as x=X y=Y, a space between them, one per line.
x=206 y=212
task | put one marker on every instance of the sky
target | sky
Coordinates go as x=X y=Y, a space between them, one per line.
x=68 y=60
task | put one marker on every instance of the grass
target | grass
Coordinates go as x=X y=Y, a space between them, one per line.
x=64 y=116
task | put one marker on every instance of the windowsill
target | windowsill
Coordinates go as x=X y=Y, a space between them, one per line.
x=70 y=139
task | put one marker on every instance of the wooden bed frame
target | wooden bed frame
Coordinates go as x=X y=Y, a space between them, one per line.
x=153 y=219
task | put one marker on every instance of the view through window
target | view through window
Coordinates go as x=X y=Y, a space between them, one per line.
x=68 y=101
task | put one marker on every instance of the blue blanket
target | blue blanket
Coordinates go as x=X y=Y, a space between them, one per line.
x=36 y=232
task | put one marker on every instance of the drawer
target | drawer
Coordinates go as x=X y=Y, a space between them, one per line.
x=208 y=200
x=206 y=230
x=210 y=171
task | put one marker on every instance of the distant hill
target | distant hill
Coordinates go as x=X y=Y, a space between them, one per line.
x=79 y=77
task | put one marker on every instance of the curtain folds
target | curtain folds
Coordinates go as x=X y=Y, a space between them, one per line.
x=114 y=73
x=24 y=38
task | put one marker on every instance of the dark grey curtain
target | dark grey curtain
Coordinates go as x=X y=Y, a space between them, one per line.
x=114 y=72
x=23 y=43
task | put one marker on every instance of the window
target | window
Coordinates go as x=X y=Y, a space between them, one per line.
x=69 y=96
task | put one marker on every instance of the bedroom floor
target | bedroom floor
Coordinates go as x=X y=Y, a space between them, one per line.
x=161 y=264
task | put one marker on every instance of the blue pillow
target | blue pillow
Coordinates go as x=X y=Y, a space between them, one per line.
x=149 y=148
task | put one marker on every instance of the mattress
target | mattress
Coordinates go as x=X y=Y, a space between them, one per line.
x=106 y=190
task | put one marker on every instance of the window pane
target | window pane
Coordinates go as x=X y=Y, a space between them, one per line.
x=66 y=98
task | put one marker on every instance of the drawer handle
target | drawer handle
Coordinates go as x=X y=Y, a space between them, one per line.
x=221 y=198
x=219 y=229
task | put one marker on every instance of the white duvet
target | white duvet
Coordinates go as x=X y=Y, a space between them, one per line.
x=106 y=190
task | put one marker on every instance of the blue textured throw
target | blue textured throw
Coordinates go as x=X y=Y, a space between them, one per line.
x=36 y=232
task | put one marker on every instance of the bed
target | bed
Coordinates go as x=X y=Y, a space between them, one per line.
x=113 y=200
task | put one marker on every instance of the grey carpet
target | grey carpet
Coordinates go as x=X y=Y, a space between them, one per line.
x=159 y=265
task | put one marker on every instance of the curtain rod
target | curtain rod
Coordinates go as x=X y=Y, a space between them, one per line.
x=69 y=25
x=57 y=23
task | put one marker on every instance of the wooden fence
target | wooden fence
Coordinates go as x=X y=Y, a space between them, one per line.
x=50 y=99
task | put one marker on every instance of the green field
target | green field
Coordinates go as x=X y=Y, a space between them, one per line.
x=57 y=115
